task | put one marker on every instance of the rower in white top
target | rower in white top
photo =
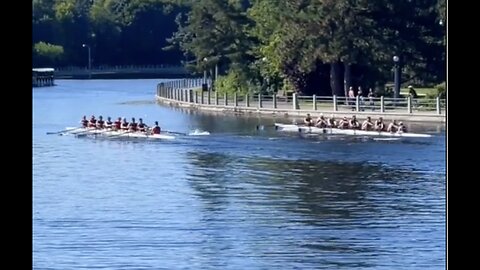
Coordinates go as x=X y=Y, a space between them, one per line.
x=308 y=121
x=379 y=124
x=353 y=123
x=108 y=123
x=393 y=127
x=124 y=125
x=367 y=124
x=321 y=122
x=331 y=122
x=401 y=128
x=343 y=124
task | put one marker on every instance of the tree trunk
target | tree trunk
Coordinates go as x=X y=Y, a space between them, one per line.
x=347 y=79
x=336 y=80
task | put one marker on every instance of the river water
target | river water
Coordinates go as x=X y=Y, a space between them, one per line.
x=240 y=198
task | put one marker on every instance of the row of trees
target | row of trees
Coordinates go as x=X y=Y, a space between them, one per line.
x=119 y=32
x=311 y=46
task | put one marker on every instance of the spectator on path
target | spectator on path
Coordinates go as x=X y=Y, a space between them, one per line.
x=371 y=96
x=360 y=98
x=351 y=97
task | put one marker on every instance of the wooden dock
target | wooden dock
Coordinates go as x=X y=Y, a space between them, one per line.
x=43 y=77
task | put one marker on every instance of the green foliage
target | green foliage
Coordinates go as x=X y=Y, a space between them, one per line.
x=50 y=53
x=267 y=41
x=65 y=10
x=213 y=33
x=236 y=81
x=385 y=92
x=442 y=90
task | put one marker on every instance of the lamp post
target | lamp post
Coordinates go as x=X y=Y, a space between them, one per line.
x=264 y=60
x=205 y=70
x=396 y=62
x=89 y=60
x=89 y=56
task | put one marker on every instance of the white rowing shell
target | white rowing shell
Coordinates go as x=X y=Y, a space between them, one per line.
x=118 y=134
x=305 y=129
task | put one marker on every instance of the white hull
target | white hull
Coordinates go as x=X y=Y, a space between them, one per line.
x=305 y=129
x=117 y=134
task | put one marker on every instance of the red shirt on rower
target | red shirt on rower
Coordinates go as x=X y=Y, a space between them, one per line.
x=156 y=129
x=117 y=124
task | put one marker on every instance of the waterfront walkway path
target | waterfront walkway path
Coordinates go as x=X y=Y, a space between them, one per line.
x=188 y=93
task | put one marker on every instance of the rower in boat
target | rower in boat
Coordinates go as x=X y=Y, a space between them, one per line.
x=308 y=121
x=93 y=122
x=124 y=125
x=393 y=127
x=142 y=127
x=367 y=124
x=401 y=128
x=100 y=123
x=117 y=125
x=343 y=124
x=379 y=124
x=108 y=123
x=331 y=123
x=321 y=122
x=84 y=121
x=133 y=125
x=156 y=129
x=353 y=123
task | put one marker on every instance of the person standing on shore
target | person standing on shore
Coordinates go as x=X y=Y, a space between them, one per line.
x=351 y=98
x=371 y=96
x=360 y=98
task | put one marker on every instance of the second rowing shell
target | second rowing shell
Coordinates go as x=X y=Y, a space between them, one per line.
x=305 y=129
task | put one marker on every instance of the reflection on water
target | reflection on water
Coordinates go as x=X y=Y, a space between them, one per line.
x=340 y=214
x=240 y=198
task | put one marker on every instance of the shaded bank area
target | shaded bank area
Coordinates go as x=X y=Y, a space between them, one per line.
x=123 y=72
x=189 y=93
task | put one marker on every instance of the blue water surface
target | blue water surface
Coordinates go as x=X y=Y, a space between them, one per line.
x=240 y=198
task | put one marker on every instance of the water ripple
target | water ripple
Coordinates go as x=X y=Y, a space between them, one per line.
x=257 y=200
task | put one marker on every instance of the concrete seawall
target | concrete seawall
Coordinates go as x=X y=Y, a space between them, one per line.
x=183 y=93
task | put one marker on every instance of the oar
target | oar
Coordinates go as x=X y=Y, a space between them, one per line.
x=63 y=131
x=194 y=133
x=262 y=127
x=121 y=134
x=174 y=132
x=90 y=131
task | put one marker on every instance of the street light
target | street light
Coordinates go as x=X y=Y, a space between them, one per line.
x=89 y=56
x=396 y=62
x=264 y=60
x=205 y=70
